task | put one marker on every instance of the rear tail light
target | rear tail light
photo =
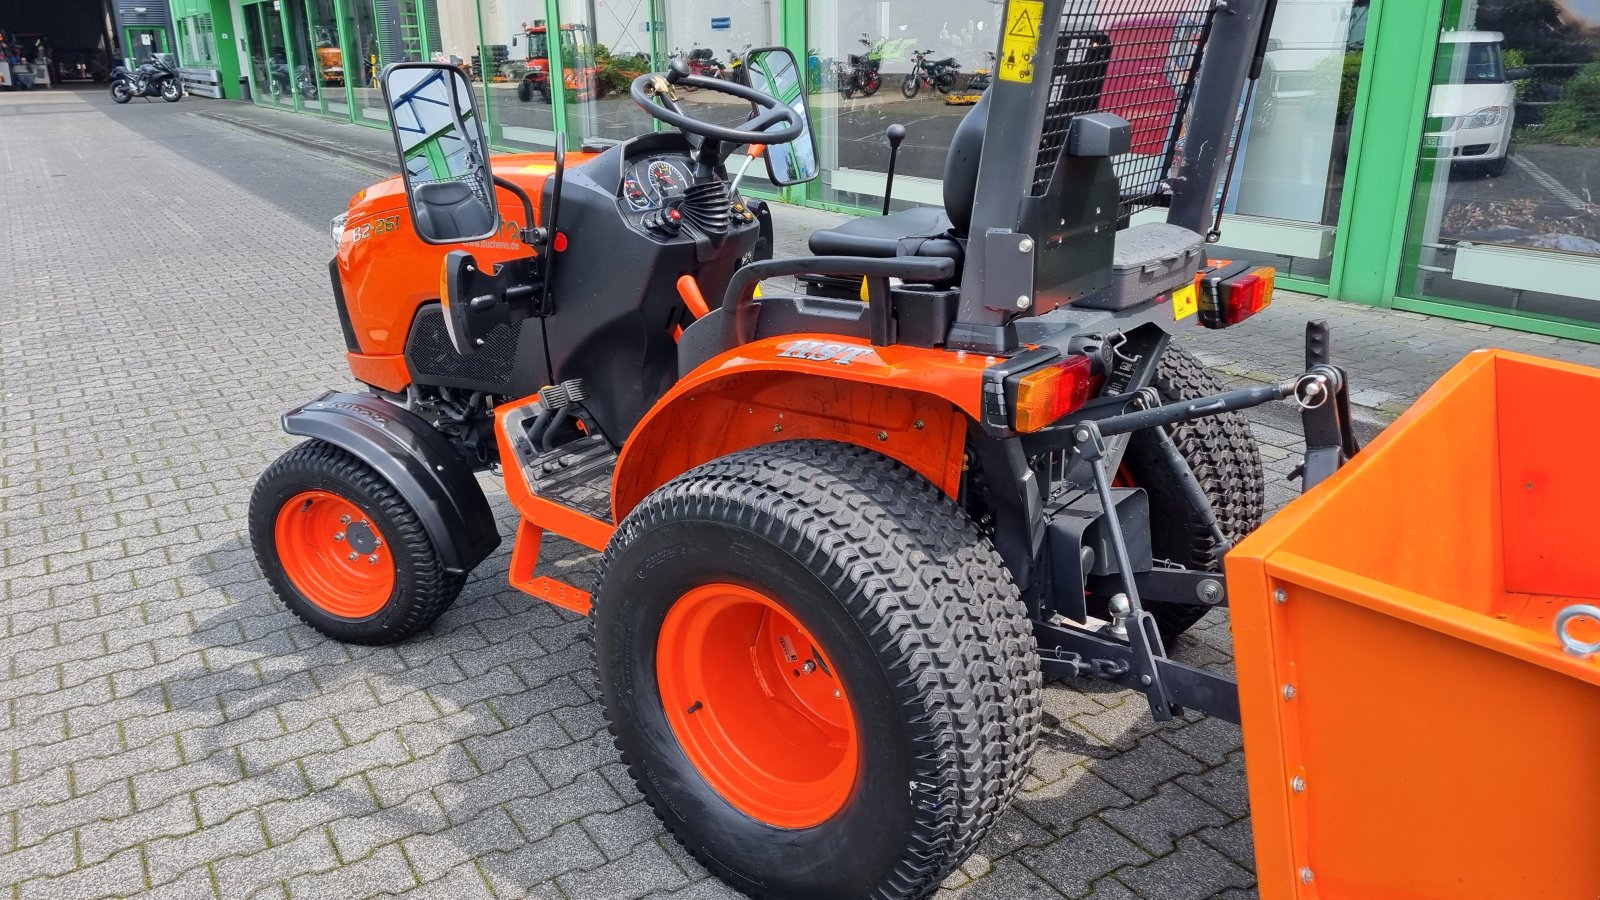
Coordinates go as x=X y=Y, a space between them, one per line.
x=1043 y=397
x=1233 y=292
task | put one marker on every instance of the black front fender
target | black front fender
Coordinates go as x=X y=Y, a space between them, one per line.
x=414 y=457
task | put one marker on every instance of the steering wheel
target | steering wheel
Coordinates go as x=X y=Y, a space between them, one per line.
x=653 y=93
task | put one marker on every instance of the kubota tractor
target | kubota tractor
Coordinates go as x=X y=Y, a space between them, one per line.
x=848 y=529
x=578 y=71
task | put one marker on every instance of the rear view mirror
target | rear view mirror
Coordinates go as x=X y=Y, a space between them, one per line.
x=444 y=155
x=773 y=71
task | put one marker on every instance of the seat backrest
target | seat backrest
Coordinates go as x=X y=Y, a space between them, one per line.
x=450 y=207
x=961 y=166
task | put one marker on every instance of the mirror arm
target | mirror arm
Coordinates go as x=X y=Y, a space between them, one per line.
x=527 y=233
x=549 y=225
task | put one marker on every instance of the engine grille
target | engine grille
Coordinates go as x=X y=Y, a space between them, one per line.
x=434 y=360
x=1134 y=58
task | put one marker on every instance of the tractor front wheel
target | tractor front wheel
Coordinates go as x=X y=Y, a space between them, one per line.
x=817 y=670
x=343 y=550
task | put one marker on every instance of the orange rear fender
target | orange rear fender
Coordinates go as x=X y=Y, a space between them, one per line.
x=910 y=404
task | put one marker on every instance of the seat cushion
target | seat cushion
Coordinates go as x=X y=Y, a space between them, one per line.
x=880 y=236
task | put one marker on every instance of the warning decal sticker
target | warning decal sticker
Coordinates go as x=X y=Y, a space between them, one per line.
x=1020 y=41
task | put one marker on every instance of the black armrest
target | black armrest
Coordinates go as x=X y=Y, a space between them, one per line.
x=738 y=326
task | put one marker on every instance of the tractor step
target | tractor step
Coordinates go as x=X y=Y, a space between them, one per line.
x=576 y=475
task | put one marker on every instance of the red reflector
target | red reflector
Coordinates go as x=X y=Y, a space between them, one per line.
x=559 y=242
x=1043 y=397
x=674 y=215
x=1249 y=294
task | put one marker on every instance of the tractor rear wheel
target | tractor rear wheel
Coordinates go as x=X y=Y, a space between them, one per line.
x=817 y=670
x=343 y=550
x=1223 y=456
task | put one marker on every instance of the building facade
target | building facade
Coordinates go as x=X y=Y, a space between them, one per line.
x=1438 y=156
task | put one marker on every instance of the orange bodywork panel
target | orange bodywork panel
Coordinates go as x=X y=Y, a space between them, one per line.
x=386 y=372
x=907 y=403
x=388 y=272
x=910 y=404
x=1413 y=727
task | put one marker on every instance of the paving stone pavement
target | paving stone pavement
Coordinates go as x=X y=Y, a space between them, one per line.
x=168 y=728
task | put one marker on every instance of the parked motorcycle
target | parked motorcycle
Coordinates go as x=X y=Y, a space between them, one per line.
x=703 y=62
x=860 y=74
x=939 y=75
x=156 y=76
x=736 y=72
x=283 y=87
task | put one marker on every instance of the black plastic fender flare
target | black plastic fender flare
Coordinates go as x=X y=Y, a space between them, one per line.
x=414 y=457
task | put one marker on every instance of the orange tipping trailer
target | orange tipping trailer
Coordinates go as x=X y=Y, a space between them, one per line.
x=1414 y=725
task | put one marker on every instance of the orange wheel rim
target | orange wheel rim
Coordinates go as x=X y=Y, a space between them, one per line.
x=333 y=553
x=757 y=707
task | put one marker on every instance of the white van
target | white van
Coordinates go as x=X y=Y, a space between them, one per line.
x=1473 y=105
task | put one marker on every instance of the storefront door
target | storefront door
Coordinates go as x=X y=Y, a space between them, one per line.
x=327 y=58
x=142 y=42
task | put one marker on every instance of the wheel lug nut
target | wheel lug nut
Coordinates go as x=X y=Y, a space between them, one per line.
x=809 y=667
x=344 y=520
x=353 y=556
x=339 y=536
x=373 y=559
x=377 y=543
x=837 y=695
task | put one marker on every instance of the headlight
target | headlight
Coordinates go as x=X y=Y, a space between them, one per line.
x=337 y=227
x=1486 y=117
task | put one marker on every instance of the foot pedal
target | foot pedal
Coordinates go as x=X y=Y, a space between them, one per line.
x=558 y=395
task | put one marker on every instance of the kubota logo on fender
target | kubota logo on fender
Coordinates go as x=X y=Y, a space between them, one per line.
x=822 y=351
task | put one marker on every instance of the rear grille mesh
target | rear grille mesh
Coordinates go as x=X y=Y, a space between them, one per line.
x=1134 y=58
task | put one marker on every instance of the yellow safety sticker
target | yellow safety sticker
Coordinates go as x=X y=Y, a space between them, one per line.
x=1185 y=302
x=1020 y=41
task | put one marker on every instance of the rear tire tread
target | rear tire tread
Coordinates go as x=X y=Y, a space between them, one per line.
x=1225 y=460
x=955 y=638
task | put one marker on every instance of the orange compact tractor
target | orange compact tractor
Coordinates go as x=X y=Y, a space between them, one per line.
x=848 y=528
x=578 y=72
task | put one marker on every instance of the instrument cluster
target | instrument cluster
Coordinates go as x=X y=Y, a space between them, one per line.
x=653 y=182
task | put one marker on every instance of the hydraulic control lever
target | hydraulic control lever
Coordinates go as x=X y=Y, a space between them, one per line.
x=896 y=134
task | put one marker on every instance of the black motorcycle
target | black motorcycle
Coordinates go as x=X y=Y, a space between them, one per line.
x=155 y=77
x=860 y=74
x=939 y=74
x=284 y=84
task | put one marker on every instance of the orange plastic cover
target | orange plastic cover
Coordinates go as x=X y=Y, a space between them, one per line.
x=1413 y=727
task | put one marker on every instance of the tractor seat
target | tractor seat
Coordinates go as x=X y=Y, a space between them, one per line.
x=450 y=208
x=921 y=231
x=882 y=236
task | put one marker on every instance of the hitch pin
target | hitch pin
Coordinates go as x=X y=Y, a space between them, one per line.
x=1311 y=391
